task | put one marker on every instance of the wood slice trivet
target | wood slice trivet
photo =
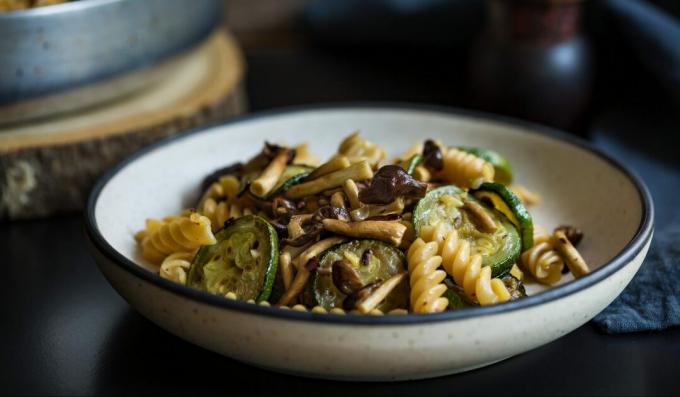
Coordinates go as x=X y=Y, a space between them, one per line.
x=49 y=166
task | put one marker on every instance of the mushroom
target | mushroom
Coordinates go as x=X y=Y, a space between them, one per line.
x=388 y=231
x=338 y=200
x=574 y=234
x=369 y=297
x=352 y=193
x=286 y=270
x=389 y=183
x=309 y=235
x=281 y=206
x=358 y=171
x=271 y=174
x=295 y=228
x=366 y=256
x=432 y=156
x=330 y=212
x=345 y=277
x=351 y=301
x=480 y=217
x=372 y=211
x=572 y=257
x=334 y=164
x=303 y=271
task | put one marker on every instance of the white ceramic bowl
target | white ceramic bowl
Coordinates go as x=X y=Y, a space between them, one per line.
x=579 y=185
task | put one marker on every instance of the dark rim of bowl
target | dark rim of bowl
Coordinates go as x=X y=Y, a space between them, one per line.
x=637 y=243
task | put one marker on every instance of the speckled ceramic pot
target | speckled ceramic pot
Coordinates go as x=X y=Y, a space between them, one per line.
x=579 y=185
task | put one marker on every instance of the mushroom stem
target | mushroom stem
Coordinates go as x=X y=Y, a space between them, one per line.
x=352 y=193
x=336 y=163
x=377 y=296
x=369 y=210
x=480 y=217
x=572 y=257
x=286 y=271
x=388 y=231
x=318 y=248
x=295 y=229
x=302 y=272
x=358 y=171
x=338 y=200
x=271 y=174
x=296 y=287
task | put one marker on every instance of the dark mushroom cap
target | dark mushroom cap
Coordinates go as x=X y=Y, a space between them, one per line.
x=389 y=183
x=345 y=278
x=432 y=156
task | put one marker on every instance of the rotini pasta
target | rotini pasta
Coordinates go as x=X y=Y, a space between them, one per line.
x=464 y=169
x=219 y=213
x=542 y=260
x=175 y=266
x=466 y=267
x=226 y=188
x=425 y=278
x=181 y=234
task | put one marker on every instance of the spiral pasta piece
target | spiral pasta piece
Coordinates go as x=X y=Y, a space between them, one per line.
x=425 y=278
x=465 y=266
x=219 y=213
x=175 y=266
x=464 y=169
x=542 y=260
x=182 y=234
x=356 y=149
x=225 y=188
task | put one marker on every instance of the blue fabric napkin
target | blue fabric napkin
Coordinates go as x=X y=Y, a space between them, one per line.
x=652 y=300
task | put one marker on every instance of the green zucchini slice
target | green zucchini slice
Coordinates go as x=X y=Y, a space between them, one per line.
x=293 y=174
x=499 y=249
x=506 y=202
x=501 y=166
x=243 y=261
x=383 y=262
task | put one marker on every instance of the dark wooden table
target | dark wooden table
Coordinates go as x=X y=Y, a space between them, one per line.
x=64 y=330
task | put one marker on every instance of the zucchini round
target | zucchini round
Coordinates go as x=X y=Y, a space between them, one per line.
x=383 y=262
x=499 y=249
x=501 y=166
x=506 y=202
x=243 y=261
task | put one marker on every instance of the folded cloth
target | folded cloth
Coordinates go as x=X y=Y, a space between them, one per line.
x=652 y=300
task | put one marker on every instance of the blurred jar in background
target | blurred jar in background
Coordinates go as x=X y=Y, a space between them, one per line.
x=531 y=61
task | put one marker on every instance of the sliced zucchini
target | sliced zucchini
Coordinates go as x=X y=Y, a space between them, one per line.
x=499 y=249
x=292 y=175
x=380 y=262
x=505 y=201
x=243 y=261
x=502 y=168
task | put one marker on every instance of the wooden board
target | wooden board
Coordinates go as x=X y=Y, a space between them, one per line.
x=49 y=166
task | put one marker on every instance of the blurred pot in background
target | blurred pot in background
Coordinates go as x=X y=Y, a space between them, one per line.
x=68 y=56
x=531 y=61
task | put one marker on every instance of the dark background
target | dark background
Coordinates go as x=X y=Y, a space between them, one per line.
x=64 y=330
